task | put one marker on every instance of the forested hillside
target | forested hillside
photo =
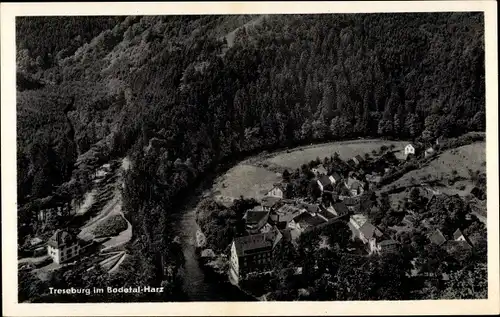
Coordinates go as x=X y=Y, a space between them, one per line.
x=178 y=96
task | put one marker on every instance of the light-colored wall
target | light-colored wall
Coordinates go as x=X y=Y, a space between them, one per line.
x=373 y=246
x=64 y=254
x=276 y=192
x=54 y=254
x=234 y=260
x=409 y=149
x=320 y=185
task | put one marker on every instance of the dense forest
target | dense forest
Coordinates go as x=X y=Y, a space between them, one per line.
x=180 y=94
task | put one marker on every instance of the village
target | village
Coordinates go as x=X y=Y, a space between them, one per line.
x=351 y=192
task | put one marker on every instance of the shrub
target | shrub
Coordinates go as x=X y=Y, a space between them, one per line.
x=110 y=227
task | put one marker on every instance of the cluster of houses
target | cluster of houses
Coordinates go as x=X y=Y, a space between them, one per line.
x=280 y=218
x=277 y=218
x=63 y=245
x=459 y=246
x=375 y=241
x=414 y=149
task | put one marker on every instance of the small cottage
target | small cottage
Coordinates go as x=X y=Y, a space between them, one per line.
x=366 y=232
x=279 y=191
x=409 y=149
x=459 y=236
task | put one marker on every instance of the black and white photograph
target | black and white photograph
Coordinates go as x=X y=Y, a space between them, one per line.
x=270 y=157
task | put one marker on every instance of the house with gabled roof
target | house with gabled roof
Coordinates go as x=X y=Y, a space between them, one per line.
x=437 y=237
x=429 y=152
x=319 y=170
x=358 y=159
x=366 y=232
x=278 y=191
x=459 y=236
x=308 y=221
x=410 y=149
x=286 y=213
x=269 y=202
x=335 y=177
x=324 y=183
x=255 y=219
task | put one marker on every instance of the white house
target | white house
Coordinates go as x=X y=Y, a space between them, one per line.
x=409 y=149
x=277 y=191
x=458 y=236
x=366 y=232
x=335 y=178
x=63 y=246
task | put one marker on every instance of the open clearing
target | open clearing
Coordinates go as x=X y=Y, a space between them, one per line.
x=346 y=149
x=255 y=176
x=461 y=159
x=244 y=180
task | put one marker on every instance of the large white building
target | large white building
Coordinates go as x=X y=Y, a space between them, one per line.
x=63 y=246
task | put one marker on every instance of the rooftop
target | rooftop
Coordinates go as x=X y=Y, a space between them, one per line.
x=457 y=249
x=257 y=242
x=288 y=212
x=254 y=216
x=353 y=183
x=307 y=220
x=269 y=201
x=321 y=169
x=370 y=231
x=310 y=207
x=62 y=238
x=437 y=237
x=388 y=242
x=360 y=219
x=457 y=234
x=324 y=180
x=336 y=176
x=340 y=208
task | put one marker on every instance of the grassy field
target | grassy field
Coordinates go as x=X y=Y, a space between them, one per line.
x=346 y=149
x=253 y=177
x=244 y=180
x=461 y=159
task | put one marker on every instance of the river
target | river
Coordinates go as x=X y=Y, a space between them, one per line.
x=197 y=285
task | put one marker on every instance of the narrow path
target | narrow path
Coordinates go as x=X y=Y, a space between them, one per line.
x=121 y=238
x=115 y=267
